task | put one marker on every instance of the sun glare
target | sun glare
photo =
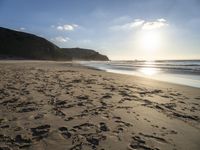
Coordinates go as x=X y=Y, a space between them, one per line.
x=150 y=40
x=148 y=71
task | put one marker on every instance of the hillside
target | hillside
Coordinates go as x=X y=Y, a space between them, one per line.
x=83 y=54
x=16 y=44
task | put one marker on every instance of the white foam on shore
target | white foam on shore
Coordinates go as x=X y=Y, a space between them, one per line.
x=178 y=76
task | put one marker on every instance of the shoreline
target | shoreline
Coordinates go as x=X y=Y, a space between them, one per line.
x=137 y=76
x=61 y=105
x=154 y=72
x=78 y=64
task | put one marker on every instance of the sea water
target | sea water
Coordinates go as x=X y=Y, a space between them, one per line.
x=184 y=72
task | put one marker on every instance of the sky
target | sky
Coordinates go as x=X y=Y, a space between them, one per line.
x=120 y=29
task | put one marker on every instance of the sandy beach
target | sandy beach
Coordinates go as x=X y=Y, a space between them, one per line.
x=62 y=105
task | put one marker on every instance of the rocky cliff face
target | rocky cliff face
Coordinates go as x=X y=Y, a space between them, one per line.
x=17 y=44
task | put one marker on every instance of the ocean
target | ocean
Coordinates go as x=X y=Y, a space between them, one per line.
x=184 y=72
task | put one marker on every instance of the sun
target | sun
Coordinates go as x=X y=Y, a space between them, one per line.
x=150 y=40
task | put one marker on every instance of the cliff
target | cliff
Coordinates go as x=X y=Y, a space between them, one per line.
x=16 y=44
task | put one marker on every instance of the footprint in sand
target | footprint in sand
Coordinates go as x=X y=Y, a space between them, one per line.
x=140 y=141
x=64 y=132
x=22 y=142
x=58 y=112
x=103 y=127
x=40 y=131
x=107 y=96
x=121 y=123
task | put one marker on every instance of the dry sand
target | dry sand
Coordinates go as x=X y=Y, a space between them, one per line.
x=61 y=106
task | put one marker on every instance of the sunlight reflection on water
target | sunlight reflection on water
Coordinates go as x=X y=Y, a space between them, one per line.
x=168 y=71
x=149 y=71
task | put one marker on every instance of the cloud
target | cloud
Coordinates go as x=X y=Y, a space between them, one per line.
x=128 y=26
x=22 y=28
x=59 y=28
x=60 y=39
x=159 y=23
x=161 y=20
x=140 y=23
x=67 y=27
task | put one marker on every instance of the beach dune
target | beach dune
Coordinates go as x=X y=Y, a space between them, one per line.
x=63 y=105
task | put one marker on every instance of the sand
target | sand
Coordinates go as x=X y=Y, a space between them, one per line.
x=57 y=105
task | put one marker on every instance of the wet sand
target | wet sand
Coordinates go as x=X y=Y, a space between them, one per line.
x=57 y=105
